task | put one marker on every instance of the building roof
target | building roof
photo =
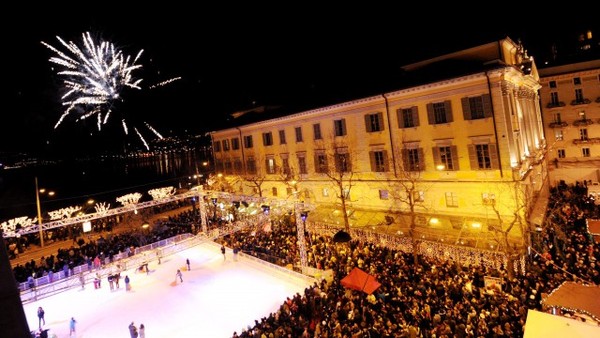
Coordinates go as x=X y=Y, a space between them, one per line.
x=473 y=60
x=540 y=324
x=576 y=297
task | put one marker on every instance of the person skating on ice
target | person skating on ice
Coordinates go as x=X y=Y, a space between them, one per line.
x=179 y=275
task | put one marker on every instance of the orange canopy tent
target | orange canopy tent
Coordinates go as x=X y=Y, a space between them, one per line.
x=359 y=280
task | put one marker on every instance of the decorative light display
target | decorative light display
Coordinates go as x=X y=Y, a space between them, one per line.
x=129 y=199
x=160 y=193
x=63 y=213
x=11 y=227
x=102 y=208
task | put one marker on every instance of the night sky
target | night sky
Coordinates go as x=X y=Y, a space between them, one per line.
x=230 y=59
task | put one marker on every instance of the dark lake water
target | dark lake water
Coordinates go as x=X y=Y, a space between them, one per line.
x=75 y=182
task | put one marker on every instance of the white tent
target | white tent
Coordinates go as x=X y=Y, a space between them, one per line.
x=541 y=324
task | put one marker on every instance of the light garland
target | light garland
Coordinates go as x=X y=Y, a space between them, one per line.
x=102 y=208
x=9 y=228
x=566 y=308
x=63 y=213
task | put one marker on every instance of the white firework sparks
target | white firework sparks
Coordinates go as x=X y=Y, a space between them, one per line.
x=95 y=73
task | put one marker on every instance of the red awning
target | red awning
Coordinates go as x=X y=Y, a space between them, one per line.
x=359 y=280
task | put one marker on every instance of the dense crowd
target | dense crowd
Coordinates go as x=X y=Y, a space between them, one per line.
x=429 y=298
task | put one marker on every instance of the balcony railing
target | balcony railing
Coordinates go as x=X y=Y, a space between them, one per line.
x=582 y=122
x=582 y=101
x=558 y=124
x=558 y=104
x=588 y=140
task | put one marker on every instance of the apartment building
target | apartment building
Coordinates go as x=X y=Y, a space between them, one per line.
x=460 y=144
x=570 y=99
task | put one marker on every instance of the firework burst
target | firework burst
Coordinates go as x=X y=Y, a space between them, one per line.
x=95 y=74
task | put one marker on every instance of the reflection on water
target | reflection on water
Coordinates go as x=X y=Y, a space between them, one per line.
x=103 y=180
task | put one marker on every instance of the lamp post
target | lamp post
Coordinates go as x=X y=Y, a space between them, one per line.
x=39 y=209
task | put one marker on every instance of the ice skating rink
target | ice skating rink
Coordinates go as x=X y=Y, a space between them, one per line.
x=216 y=298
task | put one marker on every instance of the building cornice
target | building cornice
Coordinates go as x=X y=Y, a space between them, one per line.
x=569 y=76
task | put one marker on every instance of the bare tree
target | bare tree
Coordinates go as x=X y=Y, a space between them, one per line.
x=334 y=160
x=406 y=187
x=255 y=174
x=514 y=200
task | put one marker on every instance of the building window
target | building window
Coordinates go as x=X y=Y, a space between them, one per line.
x=378 y=161
x=483 y=156
x=270 y=165
x=488 y=198
x=577 y=81
x=419 y=196
x=228 y=167
x=267 y=139
x=554 y=99
x=439 y=112
x=408 y=117
x=320 y=163
x=339 y=127
x=477 y=107
x=560 y=153
x=558 y=134
x=374 y=122
x=298 y=134
x=413 y=159
x=583 y=134
x=317 y=131
x=451 y=200
x=302 y=165
x=237 y=165
x=235 y=143
x=342 y=163
x=552 y=84
x=251 y=166
x=289 y=191
x=274 y=191
x=248 y=141
x=285 y=166
x=325 y=192
x=446 y=157
x=217 y=146
x=282 y=137
x=383 y=194
x=225 y=145
x=579 y=95
x=585 y=152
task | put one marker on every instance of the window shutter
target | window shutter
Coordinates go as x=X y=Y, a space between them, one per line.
x=343 y=126
x=487 y=105
x=466 y=107
x=454 y=150
x=415 y=115
x=372 y=160
x=380 y=119
x=436 y=156
x=430 y=116
x=405 y=161
x=317 y=168
x=400 y=119
x=348 y=162
x=368 y=123
x=385 y=161
x=473 y=157
x=494 y=156
x=448 y=109
x=421 y=159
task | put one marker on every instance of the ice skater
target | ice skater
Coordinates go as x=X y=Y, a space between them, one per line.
x=187 y=262
x=41 y=318
x=178 y=275
x=223 y=251
x=72 y=326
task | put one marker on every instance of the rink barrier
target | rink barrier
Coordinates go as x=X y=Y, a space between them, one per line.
x=286 y=273
x=62 y=281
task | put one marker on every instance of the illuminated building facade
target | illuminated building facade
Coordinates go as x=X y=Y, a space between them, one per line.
x=570 y=97
x=465 y=131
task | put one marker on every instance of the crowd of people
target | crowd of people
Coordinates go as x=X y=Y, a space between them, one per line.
x=430 y=297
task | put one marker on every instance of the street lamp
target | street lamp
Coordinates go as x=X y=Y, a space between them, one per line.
x=39 y=191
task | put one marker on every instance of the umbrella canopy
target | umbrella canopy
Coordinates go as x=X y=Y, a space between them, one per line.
x=341 y=237
x=359 y=280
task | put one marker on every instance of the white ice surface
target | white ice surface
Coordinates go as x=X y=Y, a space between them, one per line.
x=216 y=298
